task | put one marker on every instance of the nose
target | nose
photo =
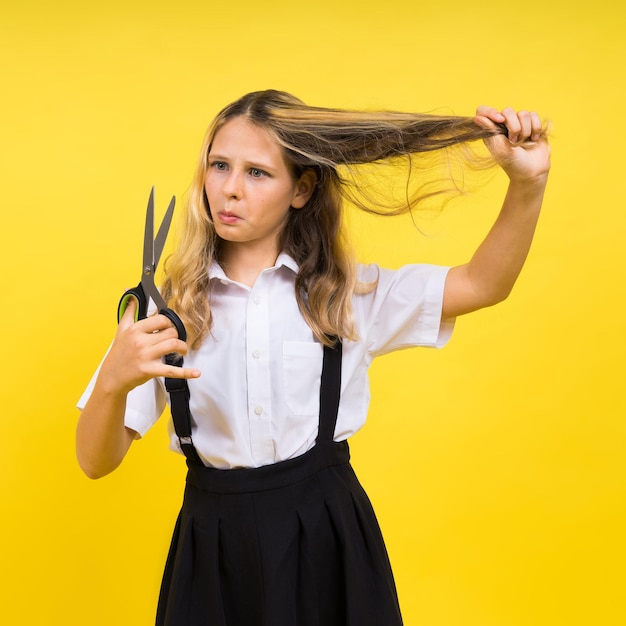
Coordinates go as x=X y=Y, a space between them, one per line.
x=233 y=185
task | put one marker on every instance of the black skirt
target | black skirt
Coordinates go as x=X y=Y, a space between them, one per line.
x=290 y=544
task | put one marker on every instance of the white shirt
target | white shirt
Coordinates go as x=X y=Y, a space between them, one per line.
x=257 y=401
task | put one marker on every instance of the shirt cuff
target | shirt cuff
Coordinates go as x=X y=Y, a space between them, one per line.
x=439 y=331
x=138 y=422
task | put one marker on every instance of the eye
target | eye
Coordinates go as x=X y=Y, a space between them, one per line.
x=220 y=166
x=255 y=172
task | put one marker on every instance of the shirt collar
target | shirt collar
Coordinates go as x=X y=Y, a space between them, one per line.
x=283 y=260
x=287 y=261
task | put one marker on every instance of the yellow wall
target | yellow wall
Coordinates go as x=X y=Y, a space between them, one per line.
x=496 y=465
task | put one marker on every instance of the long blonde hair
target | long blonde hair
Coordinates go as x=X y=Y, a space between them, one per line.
x=333 y=143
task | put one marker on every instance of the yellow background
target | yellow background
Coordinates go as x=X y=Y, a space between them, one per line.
x=496 y=465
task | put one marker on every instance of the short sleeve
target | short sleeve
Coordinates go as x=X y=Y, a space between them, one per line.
x=403 y=309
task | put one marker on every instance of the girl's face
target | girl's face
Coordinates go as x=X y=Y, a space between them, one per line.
x=250 y=187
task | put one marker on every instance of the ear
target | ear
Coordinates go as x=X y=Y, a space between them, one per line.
x=305 y=186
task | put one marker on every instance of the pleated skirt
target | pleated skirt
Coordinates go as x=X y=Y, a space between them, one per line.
x=292 y=544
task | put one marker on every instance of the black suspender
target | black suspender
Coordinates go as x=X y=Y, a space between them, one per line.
x=181 y=415
x=330 y=393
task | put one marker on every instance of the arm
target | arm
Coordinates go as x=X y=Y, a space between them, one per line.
x=102 y=439
x=492 y=271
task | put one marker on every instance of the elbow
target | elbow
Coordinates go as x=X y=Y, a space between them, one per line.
x=91 y=475
x=98 y=454
x=92 y=472
x=91 y=468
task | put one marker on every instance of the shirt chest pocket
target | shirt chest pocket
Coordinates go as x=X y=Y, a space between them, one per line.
x=302 y=372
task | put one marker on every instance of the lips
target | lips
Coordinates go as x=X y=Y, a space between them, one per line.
x=226 y=217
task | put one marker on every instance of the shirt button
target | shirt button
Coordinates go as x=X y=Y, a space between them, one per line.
x=256 y=354
x=256 y=299
x=258 y=410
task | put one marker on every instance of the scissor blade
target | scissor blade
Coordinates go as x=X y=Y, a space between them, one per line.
x=153 y=293
x=148 y=237
x=159 y=242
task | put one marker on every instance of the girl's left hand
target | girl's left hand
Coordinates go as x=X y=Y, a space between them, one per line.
x=525 y=154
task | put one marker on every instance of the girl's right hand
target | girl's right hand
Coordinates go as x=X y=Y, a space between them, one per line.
x=137 y=352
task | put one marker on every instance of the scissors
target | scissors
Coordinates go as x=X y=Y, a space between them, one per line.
x=146 y=289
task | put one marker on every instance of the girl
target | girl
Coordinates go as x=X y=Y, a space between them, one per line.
x=275 y=529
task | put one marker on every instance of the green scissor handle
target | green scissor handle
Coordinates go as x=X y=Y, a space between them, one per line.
x=137 y=293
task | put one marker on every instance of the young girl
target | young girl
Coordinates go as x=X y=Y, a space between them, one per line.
x=275 y=529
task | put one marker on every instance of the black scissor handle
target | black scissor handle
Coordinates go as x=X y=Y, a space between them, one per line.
x=142 y=303
x=139 y=295
x=173 y=358
x=142 y=310
x=177 y=322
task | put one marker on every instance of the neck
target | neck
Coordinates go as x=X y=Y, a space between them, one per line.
x=243 y=263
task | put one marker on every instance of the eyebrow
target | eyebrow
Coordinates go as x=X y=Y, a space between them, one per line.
x=221 y=157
